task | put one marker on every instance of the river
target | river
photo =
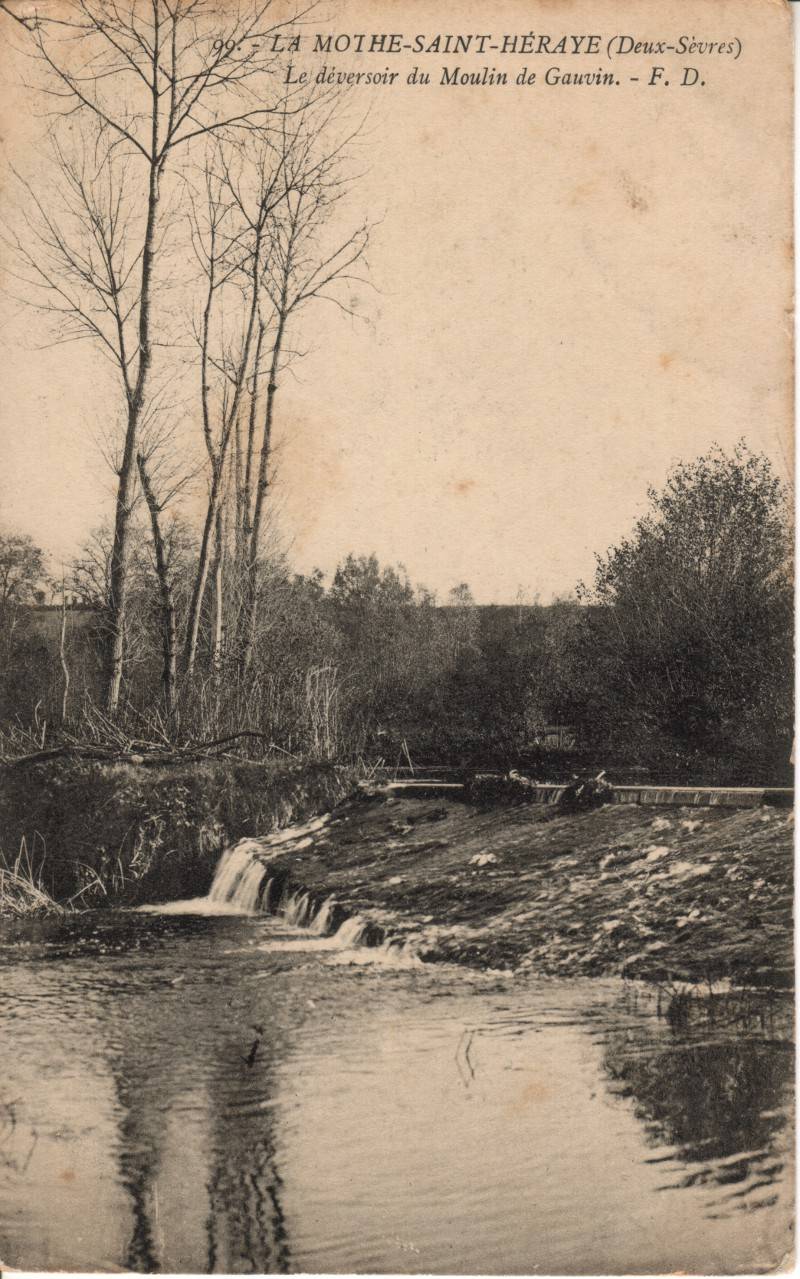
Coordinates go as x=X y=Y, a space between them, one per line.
x=217 y=1092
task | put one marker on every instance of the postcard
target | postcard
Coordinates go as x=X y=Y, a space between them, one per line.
x=396 y=637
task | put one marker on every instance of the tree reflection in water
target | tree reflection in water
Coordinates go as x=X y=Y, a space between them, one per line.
x=245 y=1227
x=196 y=1127
x=714 y=1091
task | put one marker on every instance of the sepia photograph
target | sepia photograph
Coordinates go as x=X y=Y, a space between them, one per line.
x=397 y=637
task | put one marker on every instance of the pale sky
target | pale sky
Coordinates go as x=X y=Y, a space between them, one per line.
x=574 y=288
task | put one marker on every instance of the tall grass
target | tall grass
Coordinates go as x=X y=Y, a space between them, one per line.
x=22 y=891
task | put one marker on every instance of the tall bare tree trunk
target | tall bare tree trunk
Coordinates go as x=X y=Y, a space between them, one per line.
x=169 y=630
x=237 y=486
x=249 y=468
x=219 y=602
x=126 y=490
x=262 y=483
x=218 y=467
x=217 y=635
x=62 y=652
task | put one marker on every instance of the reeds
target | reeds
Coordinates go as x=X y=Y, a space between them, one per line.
x=21 y=889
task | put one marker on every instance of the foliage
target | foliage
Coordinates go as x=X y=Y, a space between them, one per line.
x=674 y=661
x=23 y=658
x=125 y=832
x=688 y=631
x=22 y=571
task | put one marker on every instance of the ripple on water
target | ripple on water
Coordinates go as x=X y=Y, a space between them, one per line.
x=200 y=1093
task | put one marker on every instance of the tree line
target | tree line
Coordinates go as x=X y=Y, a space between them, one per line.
x=676 y=657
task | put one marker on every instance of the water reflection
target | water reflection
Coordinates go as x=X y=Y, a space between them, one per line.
x=714 y=1092
x=193 y=1075
x=245 y=1225
x=195 y=1101
x=140 y=1132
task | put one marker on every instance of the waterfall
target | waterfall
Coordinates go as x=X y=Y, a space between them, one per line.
x=347 y=938
x=241 y=887
x=238 y=878
x=350 y=933
x=400 y=953
x=296 y=908
x=541 y=792
x=321 y=921
x=265 y=898
x=349 y=945
x=394 y=952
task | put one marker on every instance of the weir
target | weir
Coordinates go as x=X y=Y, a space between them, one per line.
x=242 y=885
x=551 y=792
x=674 y=796
x=706 y=796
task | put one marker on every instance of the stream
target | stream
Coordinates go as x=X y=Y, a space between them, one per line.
x=197 y=1089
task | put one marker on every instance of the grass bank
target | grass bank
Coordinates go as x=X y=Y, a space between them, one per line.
x=105 y=833
x=668 y=895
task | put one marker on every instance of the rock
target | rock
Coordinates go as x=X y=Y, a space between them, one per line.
x=483 y=859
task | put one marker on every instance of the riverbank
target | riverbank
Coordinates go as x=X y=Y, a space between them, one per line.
x=665 y=895
x=97 y=833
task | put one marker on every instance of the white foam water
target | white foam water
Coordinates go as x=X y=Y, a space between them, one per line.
x=239 y=888
x=239 y=877
x=235 y=890
x=321 y=922
x=296 y=908
x=193 y=906
x=350 y=933
x=390 y=954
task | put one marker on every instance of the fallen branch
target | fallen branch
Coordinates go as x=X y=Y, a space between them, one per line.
x=147 y=752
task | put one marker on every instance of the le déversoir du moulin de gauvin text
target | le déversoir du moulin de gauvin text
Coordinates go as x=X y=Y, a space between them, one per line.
x=677 y=60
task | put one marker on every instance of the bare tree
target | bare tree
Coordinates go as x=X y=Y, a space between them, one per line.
x=89 y=571
x=62 y=651
x=163 y=556
x=306 y=261
x=154 y=78
x=229 y=241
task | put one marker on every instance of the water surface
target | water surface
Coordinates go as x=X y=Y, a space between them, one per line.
x=224 y=1094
